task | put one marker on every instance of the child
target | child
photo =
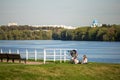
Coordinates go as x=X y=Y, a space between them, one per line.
x=85 y=60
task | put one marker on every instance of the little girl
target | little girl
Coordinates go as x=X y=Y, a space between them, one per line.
x=85 y=60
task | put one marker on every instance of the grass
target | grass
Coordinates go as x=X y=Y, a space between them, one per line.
x=57 y=71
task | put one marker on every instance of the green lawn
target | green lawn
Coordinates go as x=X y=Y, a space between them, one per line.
x=57 y=71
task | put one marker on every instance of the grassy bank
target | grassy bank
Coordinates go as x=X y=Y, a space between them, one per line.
x=55 y=71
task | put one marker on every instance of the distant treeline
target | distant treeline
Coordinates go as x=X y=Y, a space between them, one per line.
x=104 y=33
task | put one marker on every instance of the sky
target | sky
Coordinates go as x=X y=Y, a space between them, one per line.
x=59 y=12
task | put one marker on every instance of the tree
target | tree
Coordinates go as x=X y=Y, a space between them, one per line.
x=63 y=35
x=111 y=34
x=92 y=33
x=100 y=33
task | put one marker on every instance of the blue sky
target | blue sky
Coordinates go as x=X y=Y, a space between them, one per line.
x=59 y=12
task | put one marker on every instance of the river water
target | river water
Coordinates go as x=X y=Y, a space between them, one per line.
x=96 y=51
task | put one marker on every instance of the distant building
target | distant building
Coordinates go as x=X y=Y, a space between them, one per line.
x=62 y=26
x=95 y=23
x=12 y=24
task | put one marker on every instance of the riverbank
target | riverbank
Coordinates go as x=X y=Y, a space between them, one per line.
x=57 y=71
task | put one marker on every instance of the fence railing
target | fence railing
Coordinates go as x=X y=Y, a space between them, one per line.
x=45 y=54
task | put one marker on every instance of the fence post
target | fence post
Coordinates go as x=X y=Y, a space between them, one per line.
x=64 y=55
x=1 y=51
x=35 y=55
x=18 y=51
x=9 y=51
x=54 y=55
x=60 y=55
x=26 y=54
x=44 y=56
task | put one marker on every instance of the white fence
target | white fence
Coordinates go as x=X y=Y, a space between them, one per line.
x=46 y=54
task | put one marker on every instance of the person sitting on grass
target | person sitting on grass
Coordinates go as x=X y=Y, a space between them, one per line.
x=85 y=60
x=74 y=55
